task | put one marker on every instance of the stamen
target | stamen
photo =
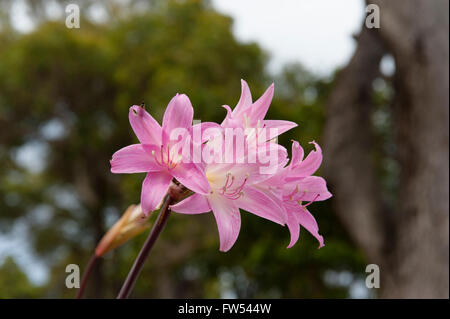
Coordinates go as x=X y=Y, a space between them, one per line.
x=239 y=189
x=226 y=182
x=231 y=182
x=156 y=158
x=237 y=196
x=304 y=206
x=303 y=195
x=172 y=162
x=235 y=193
x=168 y=156
x=226 y=186
x=295 y=191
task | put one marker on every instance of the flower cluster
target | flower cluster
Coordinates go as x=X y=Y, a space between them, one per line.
x=235 y=165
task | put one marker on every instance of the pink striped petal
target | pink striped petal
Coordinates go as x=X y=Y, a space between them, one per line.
x=308 y=221
x=228 y=220
x=194 y=204
x=245 y=101
x=200 y=128
x=277 y=180
x=294 y=228
x=280 y=126
x=297 y=153
x=231 y=120
x=271 y=159
x=312 y=188
x=191 y=176
x=257 y=202
x=154 y=188
x=146 y=128
x=179 y=114
x=260 y=107
x=310 y=164
x=133 y=159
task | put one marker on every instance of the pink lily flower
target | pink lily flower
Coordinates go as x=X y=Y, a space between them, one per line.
x=301 y=190
x=157 y=155
x=247 y=114
x=298 y=189
x=232 y=188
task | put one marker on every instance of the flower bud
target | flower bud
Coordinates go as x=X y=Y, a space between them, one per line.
x=132 y=223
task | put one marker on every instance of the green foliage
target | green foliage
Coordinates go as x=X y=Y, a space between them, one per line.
x=85 y=80
x=15 y=283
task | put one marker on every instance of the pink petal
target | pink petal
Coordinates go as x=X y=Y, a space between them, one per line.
x=230 y=120
x=257 y=202
x=245 y=100
x=308 y=221
x=194 y=204
x=229 y=111
x=271 y=159
x=261 y=106
x=276 y=180
x=133 y=159
x=200 y=128
x=228 y=220
x=310 y=164
x=297 y=153
x=294 y=228
x=179 y=114
x=239 y=171
x=146 y=128
x=281 y=126
x=191 y=176
x=154 y=188
x=312 y=188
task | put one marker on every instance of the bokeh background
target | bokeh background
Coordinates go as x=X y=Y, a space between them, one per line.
x=376 y=99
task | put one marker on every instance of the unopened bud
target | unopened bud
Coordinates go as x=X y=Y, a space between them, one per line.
x=132 y=223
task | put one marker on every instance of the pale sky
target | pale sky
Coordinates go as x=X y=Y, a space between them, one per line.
x=317 y=33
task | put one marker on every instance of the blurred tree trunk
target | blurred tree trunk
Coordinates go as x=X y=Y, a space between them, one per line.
x=91 y=187
x=410 y=243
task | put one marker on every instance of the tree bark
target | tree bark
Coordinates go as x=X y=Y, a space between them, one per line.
x=416 y=34
x=411 y=243
x=347 y=138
